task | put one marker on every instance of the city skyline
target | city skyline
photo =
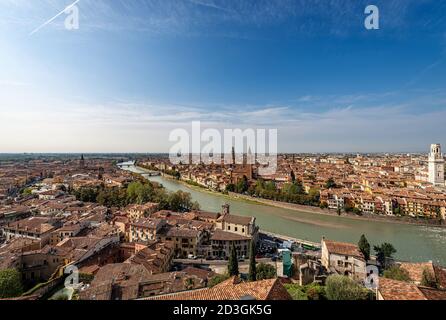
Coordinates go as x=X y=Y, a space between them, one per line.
x=134 y=72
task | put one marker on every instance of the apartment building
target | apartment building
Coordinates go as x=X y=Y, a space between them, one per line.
x=145 y=229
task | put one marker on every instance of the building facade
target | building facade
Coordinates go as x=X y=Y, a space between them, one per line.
x=436 y=165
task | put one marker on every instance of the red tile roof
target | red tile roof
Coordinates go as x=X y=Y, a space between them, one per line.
x=343 y=248
x=399 y=290
x=233 y=289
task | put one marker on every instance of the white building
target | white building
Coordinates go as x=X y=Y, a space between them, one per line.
x=436 y=166
x=344 y=259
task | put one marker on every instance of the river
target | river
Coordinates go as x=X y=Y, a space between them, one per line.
x=413 y=243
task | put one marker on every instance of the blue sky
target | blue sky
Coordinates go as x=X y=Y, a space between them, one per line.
x=137 y=69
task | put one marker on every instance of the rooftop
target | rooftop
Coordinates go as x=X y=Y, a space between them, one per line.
x=233 y=289
x=343 y=248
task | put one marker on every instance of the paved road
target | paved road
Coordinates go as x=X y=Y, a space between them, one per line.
x=220 y=266
x=217 y=262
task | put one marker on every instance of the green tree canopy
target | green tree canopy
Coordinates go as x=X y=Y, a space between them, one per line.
x=242 y=185
x=218 y=278
x=270 y=186
x=396 y=273
x=343 y=288
x=383 y=253
x=10 y=283
x=330 y=183
x=266 y=271
x=428 y=279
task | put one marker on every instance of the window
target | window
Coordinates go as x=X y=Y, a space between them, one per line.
x=236 y=229
x=229 y=227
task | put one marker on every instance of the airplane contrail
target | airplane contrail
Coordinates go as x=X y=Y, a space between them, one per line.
x=53 y=18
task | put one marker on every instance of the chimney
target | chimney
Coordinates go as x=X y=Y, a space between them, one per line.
x=225 y=209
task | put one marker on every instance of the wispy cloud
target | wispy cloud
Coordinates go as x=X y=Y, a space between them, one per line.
x=192 y=17
x=210 y=5
x=130 y=126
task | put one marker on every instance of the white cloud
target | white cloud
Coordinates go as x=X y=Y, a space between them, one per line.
x=57 y=126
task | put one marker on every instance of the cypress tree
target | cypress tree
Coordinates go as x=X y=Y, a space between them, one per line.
x=252 y=262
x=233 y=262
x=364 y=247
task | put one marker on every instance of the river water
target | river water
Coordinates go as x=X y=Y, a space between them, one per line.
x=413 y=243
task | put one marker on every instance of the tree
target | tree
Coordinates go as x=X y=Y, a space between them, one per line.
x=270 y=186
x=330 y=183
x=383 y=253
x=343 y=288
x=364 y=247
x=181 y=201
x=293 y=176
x=27 y=192
x=315 y=291
x=242 y=185
x=10 y=283
x=428 y=279
x=230 y=187
x=265 y=271
x=438 y=213
x=252 y=262
x=296 y=291
x=396 y=273
x=217 y=279
x=233 y=262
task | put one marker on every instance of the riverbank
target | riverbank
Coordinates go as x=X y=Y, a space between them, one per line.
x=332 y=212
x=414 y=243
x=308 y=209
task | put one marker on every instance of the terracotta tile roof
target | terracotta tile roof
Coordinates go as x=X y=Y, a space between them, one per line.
x=228 y=236
x=207 y=214
x=230 y=218
x=180 y=232
x=440 y=273
x=399 y=290
x=433 y=294
x=232 y=289
x=148 y=223
x=126 y=276
x=415 y=270
x=38 y=225
x=343 y=248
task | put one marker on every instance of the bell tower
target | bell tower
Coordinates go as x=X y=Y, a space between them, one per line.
x=436 y=165
x=82 y=162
